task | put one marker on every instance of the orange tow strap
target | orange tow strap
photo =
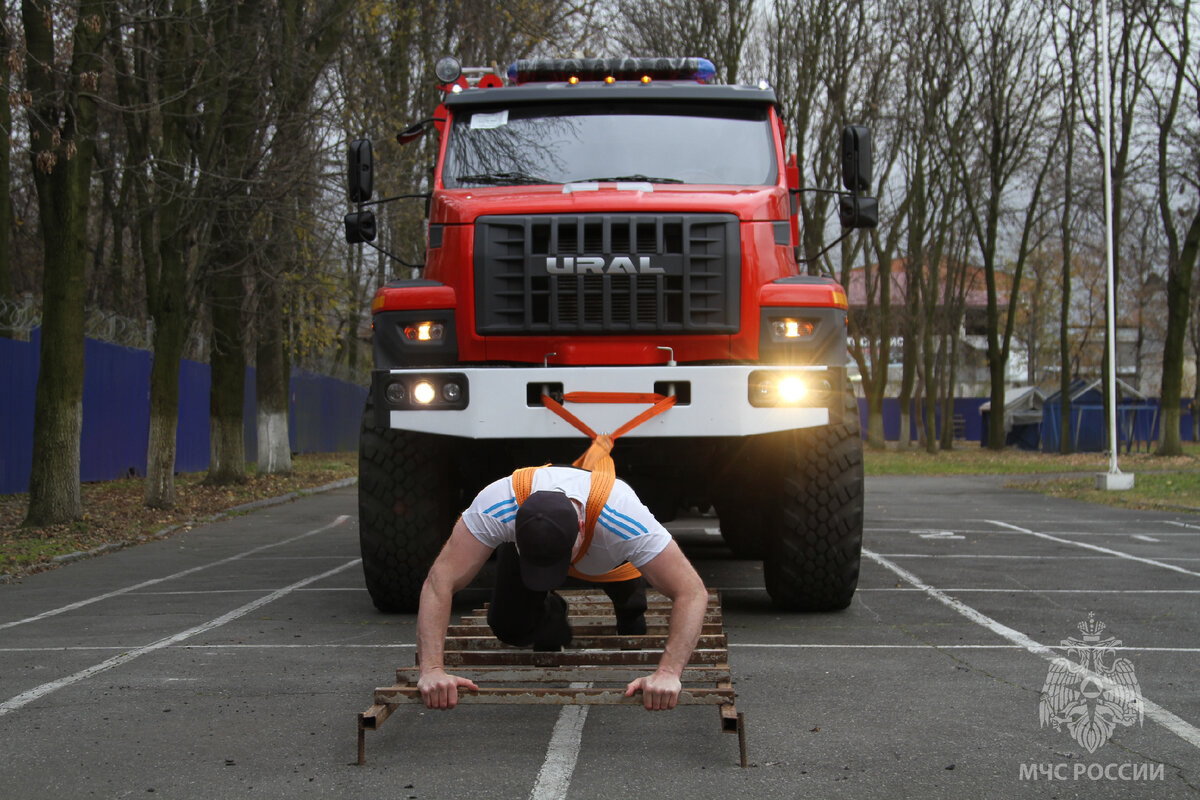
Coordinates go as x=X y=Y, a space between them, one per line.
x=597 y=459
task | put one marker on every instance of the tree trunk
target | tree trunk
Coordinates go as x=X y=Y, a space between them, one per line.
x=227 y=451
x=62 y=124
x=1179 y=287
x=271 y=379
x=5 y=177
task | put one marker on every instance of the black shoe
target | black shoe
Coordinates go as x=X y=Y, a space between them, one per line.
x=553 y=632
x=632 y=626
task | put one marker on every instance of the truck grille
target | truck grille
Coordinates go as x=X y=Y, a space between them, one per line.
x=606 y=273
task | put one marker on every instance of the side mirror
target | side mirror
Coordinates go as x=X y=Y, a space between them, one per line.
x=360 y=227
x=858 y=212
x=361 y=172
x=856 y=158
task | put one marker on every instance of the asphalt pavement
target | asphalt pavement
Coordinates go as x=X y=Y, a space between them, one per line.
x=232 y=659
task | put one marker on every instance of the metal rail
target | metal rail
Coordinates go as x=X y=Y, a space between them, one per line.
x=598 y=656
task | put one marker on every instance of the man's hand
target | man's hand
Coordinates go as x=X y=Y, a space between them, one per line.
x=660 y=691
x=439 y=690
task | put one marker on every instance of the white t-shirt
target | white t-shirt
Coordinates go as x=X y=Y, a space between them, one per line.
x=625 y=531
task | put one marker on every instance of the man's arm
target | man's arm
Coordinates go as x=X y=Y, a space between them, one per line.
x=459 y=562
x=672 y=574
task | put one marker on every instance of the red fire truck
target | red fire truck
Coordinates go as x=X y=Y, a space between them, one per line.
x=615 y=226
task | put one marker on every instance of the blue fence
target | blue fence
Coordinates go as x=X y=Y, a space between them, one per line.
x=324 y=413
x=966 y=413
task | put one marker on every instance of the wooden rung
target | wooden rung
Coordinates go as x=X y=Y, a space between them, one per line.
x=588 y=673
x=597 y=619
x=608 y=628
x=573 y=658
x=392 y=695
x=583 y=642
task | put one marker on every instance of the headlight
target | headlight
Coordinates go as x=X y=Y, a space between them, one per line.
x=428 y=331
x=423 y=393
x=433 y=391
x=782 y=389
x=786 y=329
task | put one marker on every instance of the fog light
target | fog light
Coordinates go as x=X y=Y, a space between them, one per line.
x=791 y=390
x=394 y=393
x=451 y=392
x=424 y=393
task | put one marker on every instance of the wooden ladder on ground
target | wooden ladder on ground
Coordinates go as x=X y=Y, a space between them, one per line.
x=593 y=671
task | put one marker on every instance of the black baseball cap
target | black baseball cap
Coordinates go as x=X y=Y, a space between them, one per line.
x=547 y=527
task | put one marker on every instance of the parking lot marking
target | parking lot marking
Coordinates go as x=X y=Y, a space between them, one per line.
x=554 y=778
x=1146 y=538
x=25 y=698
x=1176 y=725
x=817 y=646
x=1109 y=551
x=116 y=593
x=960 y=589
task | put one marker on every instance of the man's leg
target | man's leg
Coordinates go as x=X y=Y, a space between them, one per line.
x=629 y=603
x=520 y=616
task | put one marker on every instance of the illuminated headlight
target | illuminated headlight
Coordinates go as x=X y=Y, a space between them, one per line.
x=425 y=331
x=423 y=393
x=791 y=328
x=791 y=390
x=770 y=389
x=441 y=391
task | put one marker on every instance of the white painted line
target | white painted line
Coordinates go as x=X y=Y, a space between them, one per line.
x=554 y=778
x=811 y=646
x=80 y=604
x=986 y=532
x=965 y=589
x=1127 y=556
x=251 y=591
x=1181 y=728
x=1145 y=538
x=25 y=698
x=927 y=534
x=741 y=645
x=713 y=531
x=1184 y=525
x=987 y=557
x=245 y=646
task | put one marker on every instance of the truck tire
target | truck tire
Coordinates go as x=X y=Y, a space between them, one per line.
x=406 y=506
x=743 y=527
x=817 y=547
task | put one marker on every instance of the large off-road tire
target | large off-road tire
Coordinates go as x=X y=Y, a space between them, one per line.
x=817 y=544
x=406 y=507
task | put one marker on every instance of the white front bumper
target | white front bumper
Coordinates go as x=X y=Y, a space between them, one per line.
x=498 y=409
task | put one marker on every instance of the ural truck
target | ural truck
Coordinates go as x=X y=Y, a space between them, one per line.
x=616 y=226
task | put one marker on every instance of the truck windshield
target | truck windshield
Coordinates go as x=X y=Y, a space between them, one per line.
x=638 y=142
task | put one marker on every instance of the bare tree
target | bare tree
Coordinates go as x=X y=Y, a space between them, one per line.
x=6 y=71
x=715 y=29
x=62 y=120
x=1008 y=75
x=1172 y=25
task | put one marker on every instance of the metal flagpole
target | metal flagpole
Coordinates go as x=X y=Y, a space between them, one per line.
x=1114 y=478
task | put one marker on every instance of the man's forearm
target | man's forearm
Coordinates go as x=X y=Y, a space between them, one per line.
x=687 y=619
x=433 y=618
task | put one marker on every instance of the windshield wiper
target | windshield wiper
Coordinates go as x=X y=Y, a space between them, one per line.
x=632 y=178
x=503 y=179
